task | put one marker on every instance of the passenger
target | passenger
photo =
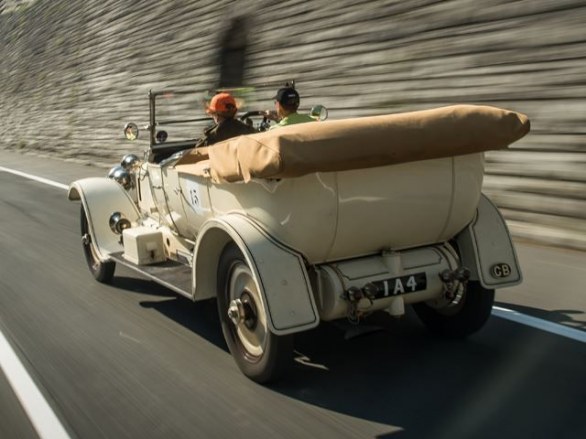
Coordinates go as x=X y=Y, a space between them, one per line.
x=286 y=103
x=223 y=109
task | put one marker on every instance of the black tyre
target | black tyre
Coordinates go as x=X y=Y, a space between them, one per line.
x=261 y=355
x=461 y=320
x=102 y=271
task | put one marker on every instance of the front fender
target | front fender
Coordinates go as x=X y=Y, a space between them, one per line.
x=279 y=272
x=101 y=197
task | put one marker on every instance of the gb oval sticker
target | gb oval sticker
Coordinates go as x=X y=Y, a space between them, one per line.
x=500 y=270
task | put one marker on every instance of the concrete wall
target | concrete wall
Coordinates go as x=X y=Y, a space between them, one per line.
x=72 y=72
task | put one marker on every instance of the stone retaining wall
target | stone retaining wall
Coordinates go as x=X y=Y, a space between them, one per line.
x=73 y=71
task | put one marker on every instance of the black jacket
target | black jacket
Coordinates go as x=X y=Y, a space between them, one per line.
x=224 y=130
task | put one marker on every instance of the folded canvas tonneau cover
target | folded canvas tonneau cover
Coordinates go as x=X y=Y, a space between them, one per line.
x=366 y=142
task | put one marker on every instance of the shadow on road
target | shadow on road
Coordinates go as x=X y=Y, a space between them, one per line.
x=199 y=317
x=498 y=383
x=140 y=286
x=506 y=381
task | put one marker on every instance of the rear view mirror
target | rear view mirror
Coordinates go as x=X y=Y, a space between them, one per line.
x=319 y=112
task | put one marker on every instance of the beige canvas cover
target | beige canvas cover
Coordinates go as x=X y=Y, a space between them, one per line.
x=339 y=145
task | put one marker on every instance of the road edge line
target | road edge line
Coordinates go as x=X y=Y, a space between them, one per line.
x=39 y=412
x=35 y=178
x=535 y=322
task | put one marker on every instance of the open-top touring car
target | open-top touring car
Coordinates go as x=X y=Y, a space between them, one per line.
x=312 y=222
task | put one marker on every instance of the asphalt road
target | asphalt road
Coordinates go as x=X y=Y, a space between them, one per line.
x=132 y=359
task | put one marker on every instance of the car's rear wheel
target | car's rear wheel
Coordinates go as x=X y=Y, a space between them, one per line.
x=462 y=319
x=261 y=355
x=103 y=271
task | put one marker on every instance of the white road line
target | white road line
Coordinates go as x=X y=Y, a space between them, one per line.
x=544 y=325
x=35 y=178
x=34 y=404
x=32 y=400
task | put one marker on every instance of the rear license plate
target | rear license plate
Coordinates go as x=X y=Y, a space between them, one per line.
x=399 y=285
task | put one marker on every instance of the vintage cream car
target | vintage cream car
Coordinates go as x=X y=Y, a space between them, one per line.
x=313 y=222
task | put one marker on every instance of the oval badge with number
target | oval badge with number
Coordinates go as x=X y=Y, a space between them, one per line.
x=500 y=270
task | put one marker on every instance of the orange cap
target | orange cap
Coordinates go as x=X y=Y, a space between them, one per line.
x=222 y=103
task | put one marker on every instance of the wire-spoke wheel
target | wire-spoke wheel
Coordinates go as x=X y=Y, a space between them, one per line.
x=261 y=355
x=103 y=271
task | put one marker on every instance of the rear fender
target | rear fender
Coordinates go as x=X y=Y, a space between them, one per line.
x=487 y=249
x=101 y=197
x=279 y=272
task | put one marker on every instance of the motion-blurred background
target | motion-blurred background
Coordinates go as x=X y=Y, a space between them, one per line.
x=72 y=72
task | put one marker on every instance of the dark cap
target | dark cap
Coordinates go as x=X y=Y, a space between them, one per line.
x=287 y=96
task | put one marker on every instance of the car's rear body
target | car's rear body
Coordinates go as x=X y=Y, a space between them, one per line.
x=340 y=215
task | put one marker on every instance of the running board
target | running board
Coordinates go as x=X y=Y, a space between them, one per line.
x=170 y=274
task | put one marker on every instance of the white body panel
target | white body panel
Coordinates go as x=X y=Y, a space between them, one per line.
x=327 y=216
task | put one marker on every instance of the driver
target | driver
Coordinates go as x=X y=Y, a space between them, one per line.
x=223 y=109
x=287 y=102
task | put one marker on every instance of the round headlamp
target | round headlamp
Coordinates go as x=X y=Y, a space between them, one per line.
x=118 y=223
x=120 y=175
x=129 y=161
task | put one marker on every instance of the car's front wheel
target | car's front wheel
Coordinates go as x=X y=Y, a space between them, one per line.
x=462 y=319
x=261 y=355
x=103 y=271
